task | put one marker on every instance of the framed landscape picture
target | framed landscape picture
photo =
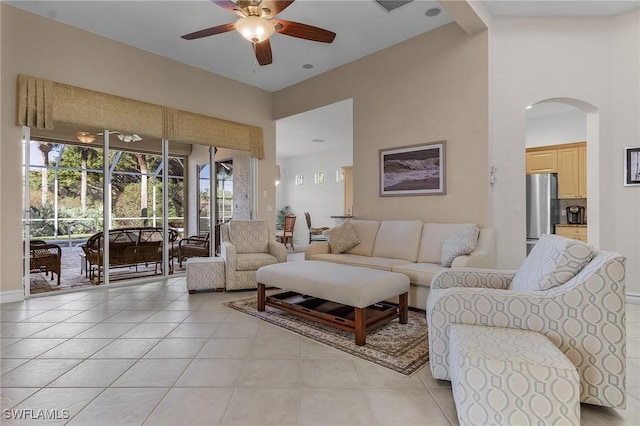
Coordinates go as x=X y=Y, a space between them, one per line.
x=413 y=170
x=632 y=166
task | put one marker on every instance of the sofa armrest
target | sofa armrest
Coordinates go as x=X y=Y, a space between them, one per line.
x=473 y=278
x=482 y=256
x=278 y=250
x=316 y=248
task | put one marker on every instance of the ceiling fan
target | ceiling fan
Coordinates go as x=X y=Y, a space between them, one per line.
x=257 y=24
x=124 y=137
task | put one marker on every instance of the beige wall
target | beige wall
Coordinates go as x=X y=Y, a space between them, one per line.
x=592 y=60
x=44 y=48
x=428 y=88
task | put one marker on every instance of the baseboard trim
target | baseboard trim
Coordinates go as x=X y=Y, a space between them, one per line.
x=11 y=296
x=634 y=299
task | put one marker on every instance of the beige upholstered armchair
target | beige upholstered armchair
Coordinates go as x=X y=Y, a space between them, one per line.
x=565 y=290
x=246 y=246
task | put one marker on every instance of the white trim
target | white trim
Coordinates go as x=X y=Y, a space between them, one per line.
x=633 y=298
x=11 y=296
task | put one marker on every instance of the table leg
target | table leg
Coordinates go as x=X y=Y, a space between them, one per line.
x=404 y=308
x=361 y=326
x=261 y=297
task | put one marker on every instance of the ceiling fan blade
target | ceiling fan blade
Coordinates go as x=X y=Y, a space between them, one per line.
x=275 y=6
x=307 y=32
x=263 y=52
x=209 y=32
x=227 y=4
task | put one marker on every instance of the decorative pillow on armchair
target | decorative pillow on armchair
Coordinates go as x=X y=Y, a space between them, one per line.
x=459 y=244
x=342 y=237
x=553 y=261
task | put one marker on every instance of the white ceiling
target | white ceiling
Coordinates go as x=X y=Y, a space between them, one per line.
x=362 y=27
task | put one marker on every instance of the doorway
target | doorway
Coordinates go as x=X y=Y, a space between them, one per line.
x=562 y=138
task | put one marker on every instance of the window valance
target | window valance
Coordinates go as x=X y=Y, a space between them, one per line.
x=43 y=103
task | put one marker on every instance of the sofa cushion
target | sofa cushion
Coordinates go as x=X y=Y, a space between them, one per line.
x=420 y=274
x=553 y=261
x=341 y=237
x=366 y=231
x=459 y=244
x=433 y=234
x=398 y=239
x=332 y=257
x=249 y=236
x=381 y=263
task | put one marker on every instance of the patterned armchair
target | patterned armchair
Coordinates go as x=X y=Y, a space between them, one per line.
x=245 y=247
x=581 y=309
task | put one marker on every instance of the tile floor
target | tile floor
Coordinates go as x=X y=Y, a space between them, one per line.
x=152 y=354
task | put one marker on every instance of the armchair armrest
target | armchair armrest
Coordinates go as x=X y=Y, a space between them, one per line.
x=468 y=277
x=228 y=253
x=278 y=250
x=316 y=248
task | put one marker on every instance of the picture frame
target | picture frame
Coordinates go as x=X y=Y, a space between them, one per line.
x=300 y=179
x=413 y=170
x=319 y=177
x=632 y=166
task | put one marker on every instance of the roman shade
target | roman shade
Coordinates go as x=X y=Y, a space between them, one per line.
x=42 y=103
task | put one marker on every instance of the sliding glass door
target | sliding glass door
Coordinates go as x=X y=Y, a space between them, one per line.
x=104 y=207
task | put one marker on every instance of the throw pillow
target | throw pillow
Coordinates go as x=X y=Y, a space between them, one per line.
x=342 y=237
x=553 y=261
x=459 y=244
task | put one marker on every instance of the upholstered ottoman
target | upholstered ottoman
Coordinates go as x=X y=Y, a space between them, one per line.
x=506 y=376
x=205 y=273
x=355 y=287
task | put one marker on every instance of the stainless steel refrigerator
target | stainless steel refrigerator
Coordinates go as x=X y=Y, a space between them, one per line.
x=543 y=211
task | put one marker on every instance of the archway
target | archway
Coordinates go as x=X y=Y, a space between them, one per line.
x=582 y=126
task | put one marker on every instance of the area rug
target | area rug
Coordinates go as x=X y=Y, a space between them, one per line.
x=403 y=348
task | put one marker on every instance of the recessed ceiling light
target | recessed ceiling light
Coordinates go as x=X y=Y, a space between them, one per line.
x=435 y=11
x=317 y=140
x=528 y=107
x=307 y=66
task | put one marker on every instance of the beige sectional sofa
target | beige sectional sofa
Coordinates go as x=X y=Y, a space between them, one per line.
x=410 y=247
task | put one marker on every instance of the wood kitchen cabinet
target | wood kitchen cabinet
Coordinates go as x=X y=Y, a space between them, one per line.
x=582 y=171
x=569 y=161
x=572 y=171
x=542 y=160
x=574 y=232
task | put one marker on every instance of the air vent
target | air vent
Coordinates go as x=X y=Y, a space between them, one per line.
x=392 y=4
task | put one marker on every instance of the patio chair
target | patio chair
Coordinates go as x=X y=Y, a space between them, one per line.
x=315 y=234
x=193 y=246
x=44 y=257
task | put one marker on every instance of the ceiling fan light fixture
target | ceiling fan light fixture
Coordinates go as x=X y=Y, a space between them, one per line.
x=129 y=138
x=254 y=28
x=85 y=137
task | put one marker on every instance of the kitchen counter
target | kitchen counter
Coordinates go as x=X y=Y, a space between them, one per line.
x=577 y=232
x=582 y=225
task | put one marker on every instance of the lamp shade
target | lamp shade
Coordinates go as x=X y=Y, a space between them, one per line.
x=254 y=28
